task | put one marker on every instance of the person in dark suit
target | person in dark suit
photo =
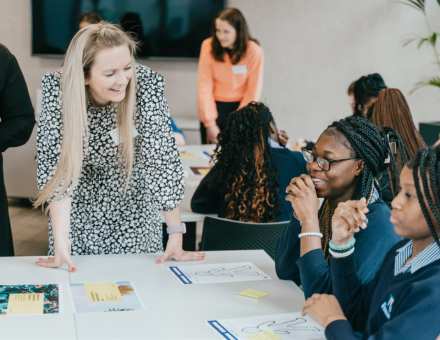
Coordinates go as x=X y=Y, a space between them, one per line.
x=16 y=125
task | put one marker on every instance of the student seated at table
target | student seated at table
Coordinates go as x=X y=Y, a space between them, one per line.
x=365 y=92
x=402 y=301
x=343 y=165
x=391 y=109
x=252 y=169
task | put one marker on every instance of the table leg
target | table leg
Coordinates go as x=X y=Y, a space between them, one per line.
x=189 y=239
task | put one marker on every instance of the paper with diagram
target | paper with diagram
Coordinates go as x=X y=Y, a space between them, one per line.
x=290 y=326
x=218 y=273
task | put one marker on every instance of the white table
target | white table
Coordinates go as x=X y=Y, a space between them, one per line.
x=173 y=311
x=23 y=270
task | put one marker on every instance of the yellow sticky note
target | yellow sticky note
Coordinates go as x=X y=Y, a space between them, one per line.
x=103 y=292
x=266 y=335
x=187 y=155
x=25 y=304
x=253 y=293
x=203 y=171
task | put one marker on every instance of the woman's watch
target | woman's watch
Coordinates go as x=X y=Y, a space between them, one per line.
x=180 y=229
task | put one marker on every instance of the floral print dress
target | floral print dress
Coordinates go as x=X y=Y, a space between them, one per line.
x=103 y=219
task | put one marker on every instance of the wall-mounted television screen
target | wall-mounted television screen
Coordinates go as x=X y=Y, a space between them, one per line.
x=166 y=28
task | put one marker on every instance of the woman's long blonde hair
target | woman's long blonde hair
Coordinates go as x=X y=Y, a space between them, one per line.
x=78 y=62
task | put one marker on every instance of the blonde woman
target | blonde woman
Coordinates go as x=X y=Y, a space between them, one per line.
x=107 y=159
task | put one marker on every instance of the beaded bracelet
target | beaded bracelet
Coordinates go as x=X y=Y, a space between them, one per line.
x=310 y=234
x=340 y=255
x=342 y=251
x=344 y=246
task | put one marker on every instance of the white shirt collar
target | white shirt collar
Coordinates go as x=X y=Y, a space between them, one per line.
x=427 y=256
x=274 y=144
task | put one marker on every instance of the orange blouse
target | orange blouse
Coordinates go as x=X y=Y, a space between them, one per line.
x=225 y=82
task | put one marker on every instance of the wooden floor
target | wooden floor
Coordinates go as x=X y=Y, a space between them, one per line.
x=29 y=228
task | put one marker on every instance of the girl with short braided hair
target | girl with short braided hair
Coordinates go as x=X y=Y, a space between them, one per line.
x=343 y=165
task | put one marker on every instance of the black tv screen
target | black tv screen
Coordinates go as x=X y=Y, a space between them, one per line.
x=165 y=28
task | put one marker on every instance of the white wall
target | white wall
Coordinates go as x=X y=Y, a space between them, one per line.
x=314 y=49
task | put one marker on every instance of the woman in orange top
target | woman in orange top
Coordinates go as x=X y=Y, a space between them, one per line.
x=230 y=72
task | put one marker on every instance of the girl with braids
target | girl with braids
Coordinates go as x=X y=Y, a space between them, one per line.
x=343 y=166
x=365 y=92
x=251 y=171
x=402 y=301
x=391 y=109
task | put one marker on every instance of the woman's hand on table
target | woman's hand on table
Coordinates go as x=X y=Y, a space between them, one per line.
x=62 y=255
x=324 y=309
x=347 y=220
x=174 y=250
x=302 y=195
x=212 y=134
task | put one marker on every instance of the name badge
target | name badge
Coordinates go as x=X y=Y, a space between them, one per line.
x=114 y=135
x=239 y=69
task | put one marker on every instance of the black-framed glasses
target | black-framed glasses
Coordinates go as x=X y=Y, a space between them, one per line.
x=323 y=163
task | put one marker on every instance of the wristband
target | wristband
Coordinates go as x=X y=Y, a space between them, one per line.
x=340 y=255
x=179 y=229
x=344 y=246
x=342 y=251
x=310 y=234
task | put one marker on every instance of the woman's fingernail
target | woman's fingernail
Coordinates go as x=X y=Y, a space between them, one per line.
x=158 y=261
x=40 y=259
x=364 y=225
x=73 y=269
x=37 y=262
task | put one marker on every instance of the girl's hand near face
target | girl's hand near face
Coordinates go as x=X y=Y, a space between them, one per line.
x=347 y=220
x=283 y=137
x=324 y=309
x=302 y=195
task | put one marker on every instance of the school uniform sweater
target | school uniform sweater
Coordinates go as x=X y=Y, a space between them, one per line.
x=405 y=306
x=217 y=81
x=313 y=272
x=209 y=197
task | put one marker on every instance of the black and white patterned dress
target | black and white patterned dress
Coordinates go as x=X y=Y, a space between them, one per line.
x=103 y=221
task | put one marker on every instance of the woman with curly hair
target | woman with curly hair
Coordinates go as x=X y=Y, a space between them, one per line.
x=251 y=170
